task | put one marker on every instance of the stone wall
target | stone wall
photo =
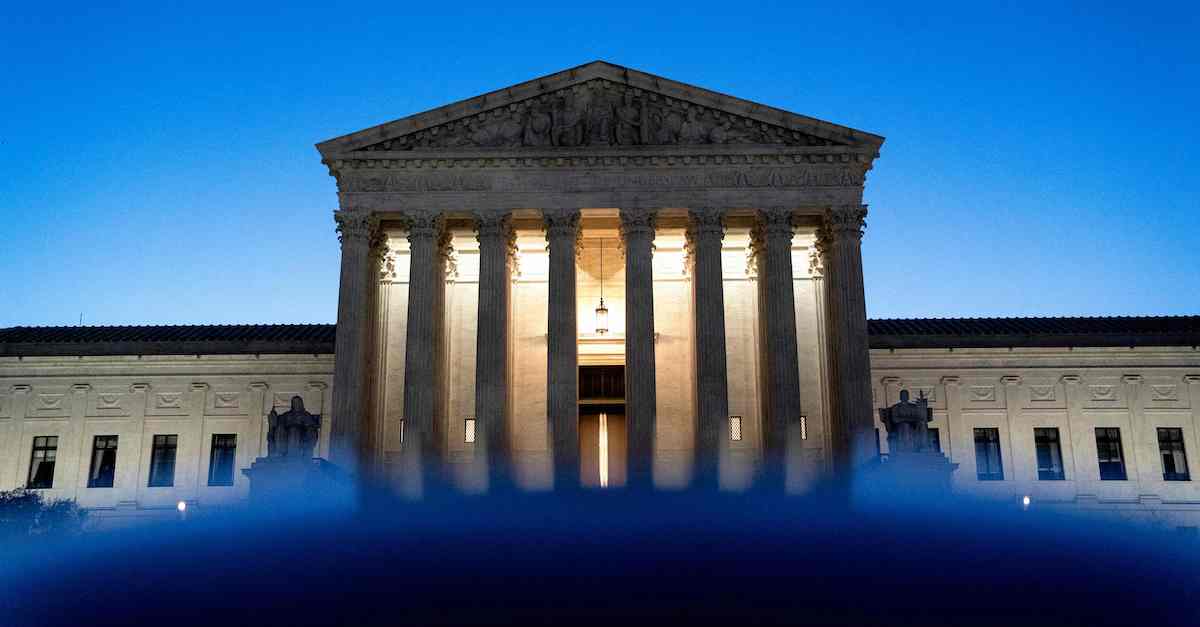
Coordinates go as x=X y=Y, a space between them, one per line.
x=1075 y=390
x=135 y=398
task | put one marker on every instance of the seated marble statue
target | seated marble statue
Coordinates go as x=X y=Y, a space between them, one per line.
x=294 y=433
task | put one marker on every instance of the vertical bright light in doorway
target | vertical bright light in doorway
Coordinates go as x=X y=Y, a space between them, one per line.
x=603 y=450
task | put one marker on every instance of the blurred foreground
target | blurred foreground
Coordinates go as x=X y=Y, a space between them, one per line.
x=593 y=557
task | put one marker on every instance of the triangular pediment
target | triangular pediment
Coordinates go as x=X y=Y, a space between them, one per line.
x=594 y=106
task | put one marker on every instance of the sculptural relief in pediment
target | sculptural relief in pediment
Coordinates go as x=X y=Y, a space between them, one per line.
x=598 y=113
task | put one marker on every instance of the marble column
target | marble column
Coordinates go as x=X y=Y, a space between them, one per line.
x=496 y=246
x=359 y=233
x=562 y=350
x=637 y=237
x=840 y=242
x=772 y=245
x=705 y=235
x=428 y=242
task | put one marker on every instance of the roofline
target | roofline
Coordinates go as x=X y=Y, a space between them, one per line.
x=1079 y=340
x=579 y=74
x=218 y=347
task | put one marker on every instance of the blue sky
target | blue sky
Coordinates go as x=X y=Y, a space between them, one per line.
x=159 y=165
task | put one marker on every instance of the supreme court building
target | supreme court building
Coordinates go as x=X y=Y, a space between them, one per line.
x=605 y=277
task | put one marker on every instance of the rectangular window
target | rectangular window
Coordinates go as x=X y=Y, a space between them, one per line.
x=735 y=428
x=221 y=459
x=469 y=430
x=1174 y=460
x=104 y=461
x=1108 y=449
x=162 y=461
x=41 y=462
x=935 y=440
x=1049 y=454
x=988 y=465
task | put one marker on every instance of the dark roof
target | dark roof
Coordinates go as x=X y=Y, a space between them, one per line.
x=217 y=339
x=318 y=338
x=1035 y=332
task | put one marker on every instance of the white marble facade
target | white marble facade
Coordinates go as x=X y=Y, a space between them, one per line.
x=716 y=211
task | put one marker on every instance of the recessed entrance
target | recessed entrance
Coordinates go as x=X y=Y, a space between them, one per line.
x=602 y=439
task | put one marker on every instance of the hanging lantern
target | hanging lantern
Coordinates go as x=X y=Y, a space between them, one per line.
x=601 y=311
x=601 y=318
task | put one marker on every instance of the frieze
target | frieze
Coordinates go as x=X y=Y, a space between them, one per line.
x=749 y=178
x=597 y=113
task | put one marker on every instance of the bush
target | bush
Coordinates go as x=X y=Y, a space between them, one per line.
x=25 y=513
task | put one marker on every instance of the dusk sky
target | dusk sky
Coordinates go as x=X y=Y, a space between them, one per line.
x=159 y=165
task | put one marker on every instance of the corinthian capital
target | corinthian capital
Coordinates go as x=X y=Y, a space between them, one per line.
x=774 y=222
x=356 y=226
x=706 y=222
x=637 y=222
x=425 y=225
x=561 y=223
x=844 y=221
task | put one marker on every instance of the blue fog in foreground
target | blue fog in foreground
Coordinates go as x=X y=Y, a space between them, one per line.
x=161 y=169
x=674 y=557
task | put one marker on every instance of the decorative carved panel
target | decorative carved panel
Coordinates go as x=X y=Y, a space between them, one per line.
x=50 y=402
x=108 y=400
x=1043 y=393
x=168 y=400
x=929 y=391
x=227 y=400
x=1169 y=392
x=595 y=114
x=1103 y=392
x=981 y=393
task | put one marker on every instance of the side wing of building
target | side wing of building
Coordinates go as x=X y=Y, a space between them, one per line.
x=1092 y=412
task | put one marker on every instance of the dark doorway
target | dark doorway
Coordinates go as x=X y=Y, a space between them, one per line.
x=602 y=436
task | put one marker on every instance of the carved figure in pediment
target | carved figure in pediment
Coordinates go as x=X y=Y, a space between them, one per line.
x=538 y=126
x=599 y=120
x=667 y=125
x=568 y=122
x=692 y=131
x=629 y=121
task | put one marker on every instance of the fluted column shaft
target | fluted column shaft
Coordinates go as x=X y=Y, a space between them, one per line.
x=637 y=234
x=705 y=235
x=777 y=312
x=427 y=241
x=496 y=243
x=358 y=233
x=840 y=241
x=562 y=351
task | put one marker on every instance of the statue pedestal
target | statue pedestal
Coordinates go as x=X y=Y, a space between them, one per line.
x=299 y=480
x=905 y=476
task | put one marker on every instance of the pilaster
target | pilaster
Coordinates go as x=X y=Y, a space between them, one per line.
x=1012 y=414
x=953 y=413
x=137 y=427
x=258 y=425
x=1135 y=402
x=1072 y=392
x=16 y=440
x=193 y=443
x=78 y=429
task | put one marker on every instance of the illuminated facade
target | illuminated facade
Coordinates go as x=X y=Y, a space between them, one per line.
x=604 y=277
